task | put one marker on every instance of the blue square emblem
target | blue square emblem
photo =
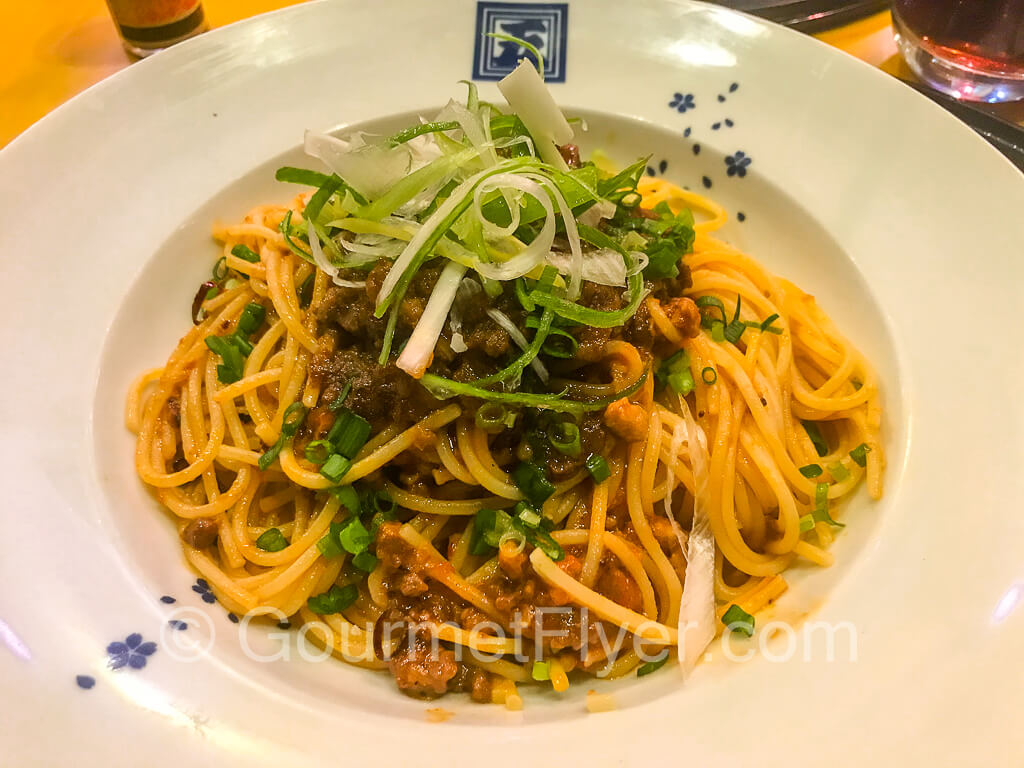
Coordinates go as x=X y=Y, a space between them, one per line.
x=543 y=25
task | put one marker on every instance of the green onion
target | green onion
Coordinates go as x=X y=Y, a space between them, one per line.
x=523 y=44
x=232 y=369
x=806 y=523
x=767 y=324
x=714 y=302
x=494 y=418
x=598 y=467
x=488 y=527
x=335 y=468
x=540 y=538
x=624 y=181
x=709 y=375
x=293 y=417
x=285 y=228
x=565 y=438
x=348 y=496
x=814 y=433
x=734 y=330
x=559 y=343
x=443 y=388
x=838 y=472
x=513 y=370
x=527 y=514
x=860 y=454
x=532 y=481
x=354 y=537
x=811 y=470
x=318 y=451
x=821 y=515
x=349 y=433
x=220 y=269
x=738 y=620
x=821 y=495
x=340 y=399
x=251 y=319
x=301 y=176
x=365 y=561
x=418 y=130
x=675 y=372
x=384 y=510
x=334 y=600
x=652 y=666
x=329 y=545
x=272 y=540
x=717 y=331
x=245 y=253
x=541 y=671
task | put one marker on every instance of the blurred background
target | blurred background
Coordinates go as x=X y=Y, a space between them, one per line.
x=58 y=48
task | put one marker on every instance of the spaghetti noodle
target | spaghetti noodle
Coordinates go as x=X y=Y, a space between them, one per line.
x=311 y=481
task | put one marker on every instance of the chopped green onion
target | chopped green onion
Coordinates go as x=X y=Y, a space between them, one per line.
x=285 y=228
x=703 y=302
x=838 y=472
x=734 y=330
x=354 y=537
x=334 y=600
x=523 y=44
x=814 y=433
x=811 y=470
x=232 y=369
x=494 y=418
x=272 y=540
x=293 y=417
x=532 y=481
x=318 y=451
x=675 y=372
x=682 y=382
x=348 y=496
x=598 y=467
x=821 y=495
x=821 y=515
x=329 y=545
x=349 y=433
x=860 y=454
x=806 y=523
x=767 y=324
x=528 y=515
x=488 y=527
x=541 y=671
x=418 y=130
x=652 y=666
x=340 y=399
x=220 y=269
x=245 y=253
x=540 y=538
x=738 y=620
x=709 y=375
x=565 y=438
x=335 y=468
x=251 y=319
x=717 y=331
x=365 y=561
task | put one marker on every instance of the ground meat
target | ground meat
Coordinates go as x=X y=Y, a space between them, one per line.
x=421 y=668
x=627 y=420
x=639 y=330
x=200 y=533
x=474 y=681
x=616 y=584
x=684 y=315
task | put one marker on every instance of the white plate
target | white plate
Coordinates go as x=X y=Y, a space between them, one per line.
x=906 y=225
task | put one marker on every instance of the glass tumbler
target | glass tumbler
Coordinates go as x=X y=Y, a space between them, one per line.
x=970 y=49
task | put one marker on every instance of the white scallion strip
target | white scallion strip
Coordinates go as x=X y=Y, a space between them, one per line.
x=697 y=604
x=349 y=283
x=519 y=338
x=419 y=350
x=603 y=266
x=536 y=251
x=318 y=254
x=602 y=209
x=572 y=235
x=525 y=92
x=370 y=169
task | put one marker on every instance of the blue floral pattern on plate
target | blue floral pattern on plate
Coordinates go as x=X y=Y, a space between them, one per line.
x=737 y=164
x=133 y=652
x=681 y=102
x=202 y=588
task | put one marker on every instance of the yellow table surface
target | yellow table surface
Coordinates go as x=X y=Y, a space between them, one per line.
x=58 y=48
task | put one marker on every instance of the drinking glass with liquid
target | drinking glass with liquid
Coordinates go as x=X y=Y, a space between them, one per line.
x=970 y=49
x=148 y=26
